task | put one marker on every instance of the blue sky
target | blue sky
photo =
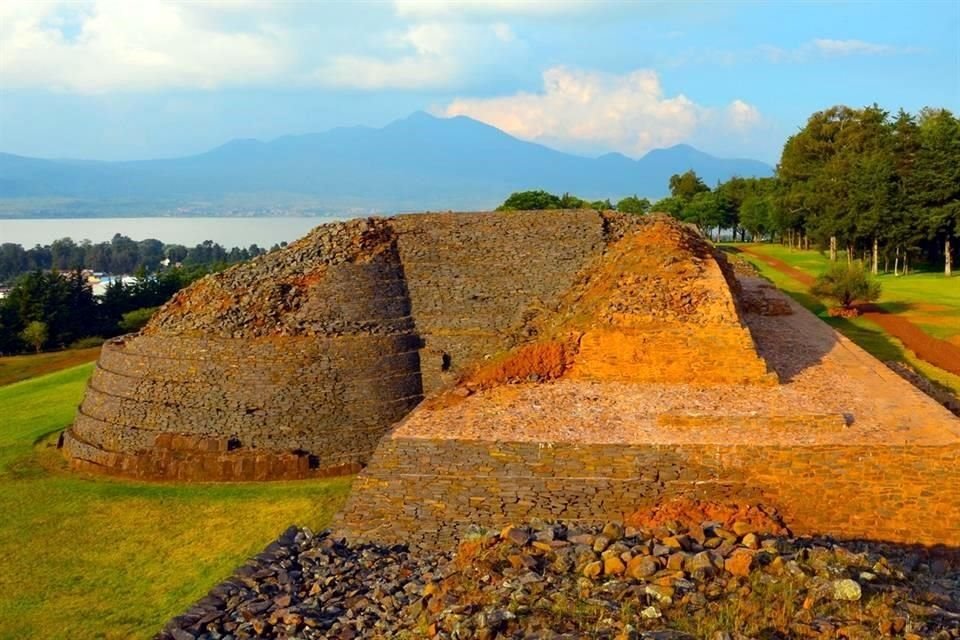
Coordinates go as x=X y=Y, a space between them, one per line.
x=113 y=79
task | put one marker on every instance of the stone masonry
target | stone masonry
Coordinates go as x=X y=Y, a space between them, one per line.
x=578 y=366
x=295 y=364
x=842 y=446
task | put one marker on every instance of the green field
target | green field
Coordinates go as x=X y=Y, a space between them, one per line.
x=17 y=368
x=98 y=558
x=929 y=300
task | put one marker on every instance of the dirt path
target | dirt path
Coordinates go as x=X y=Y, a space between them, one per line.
x=802 y=277
x=940 y=353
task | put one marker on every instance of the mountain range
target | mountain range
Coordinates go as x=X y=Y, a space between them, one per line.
x=420 y=162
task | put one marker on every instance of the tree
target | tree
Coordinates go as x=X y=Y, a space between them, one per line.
x=176 y=253
x=937 y=182
x=686 y=185
x=846 y=284
x=568 y=201
x=13 y=261
x=633 y=204
x=66 y=254
x=150 y=254
x=704 y=211
x=136 y=319
x=530 y=201
x=35 y=334
x=811 y=171
x=756 y=215
x=672 y=205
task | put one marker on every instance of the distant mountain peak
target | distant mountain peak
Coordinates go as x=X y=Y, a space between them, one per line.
x=241 y=143
x=614 y=156
x=421 y=161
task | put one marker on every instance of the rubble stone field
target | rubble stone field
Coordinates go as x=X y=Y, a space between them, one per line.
x=716 y=580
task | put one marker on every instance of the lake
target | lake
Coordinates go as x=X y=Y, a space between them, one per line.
x=228 y=232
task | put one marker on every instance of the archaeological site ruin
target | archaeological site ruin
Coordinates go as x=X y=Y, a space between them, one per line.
x=491 y=368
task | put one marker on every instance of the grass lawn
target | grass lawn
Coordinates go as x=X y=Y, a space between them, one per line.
x=17 y=368
x=917 y=296
x=928 y=299
x=91 y=557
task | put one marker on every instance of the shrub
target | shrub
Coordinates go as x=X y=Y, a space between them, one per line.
x=136 y=319
x=846 y=284
x=88 y=342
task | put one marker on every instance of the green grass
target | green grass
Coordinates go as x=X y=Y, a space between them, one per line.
x=99 y=558
x=929 y=299
x=17 y=368
x=900 y=294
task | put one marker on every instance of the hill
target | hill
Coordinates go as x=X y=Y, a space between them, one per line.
x=418 y=162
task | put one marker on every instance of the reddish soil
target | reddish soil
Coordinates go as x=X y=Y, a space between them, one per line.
x=940 y=353
x=802 y=277
x=690 y=513
x=537 y=362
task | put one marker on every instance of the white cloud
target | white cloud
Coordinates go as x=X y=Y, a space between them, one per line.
x=742 y=116
x=425 y=55
x=818 y=49
x=461 y=9
x=503 y=32
x=830 y=47
x=119 y=45
x=110 y=45
x=590 y=110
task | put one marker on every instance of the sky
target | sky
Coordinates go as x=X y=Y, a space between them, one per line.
x=123 y=79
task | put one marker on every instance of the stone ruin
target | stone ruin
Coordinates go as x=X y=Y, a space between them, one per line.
x=576 y=365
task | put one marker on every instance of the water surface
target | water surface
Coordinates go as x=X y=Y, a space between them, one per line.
x=229 y=232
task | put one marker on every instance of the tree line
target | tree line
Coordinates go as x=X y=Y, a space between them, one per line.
x=51 y=305
x=121 y=255
x=542 y=200
x=882 y=187
x=54 y=310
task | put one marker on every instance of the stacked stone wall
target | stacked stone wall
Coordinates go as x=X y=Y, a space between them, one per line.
x=291 y=366
x=477 y=281
x=428 y=490
x=308 y=355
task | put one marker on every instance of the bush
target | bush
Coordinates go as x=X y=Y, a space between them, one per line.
x=846 y=284
x=136 y=319
x=35 y=334
x=88 y=342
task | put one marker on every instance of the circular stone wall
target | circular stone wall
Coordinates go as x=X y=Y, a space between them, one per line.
x=289 y=366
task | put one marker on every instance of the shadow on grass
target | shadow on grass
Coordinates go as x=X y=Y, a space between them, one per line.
x=874 y=341
x=889 y=307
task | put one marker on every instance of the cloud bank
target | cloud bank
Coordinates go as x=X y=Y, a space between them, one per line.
x=102 y=46
x=115 y=45
x=425 y=55
x=582 y=110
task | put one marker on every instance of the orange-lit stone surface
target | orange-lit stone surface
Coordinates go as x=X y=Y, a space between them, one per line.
x=578 y=365
x=841 y=446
